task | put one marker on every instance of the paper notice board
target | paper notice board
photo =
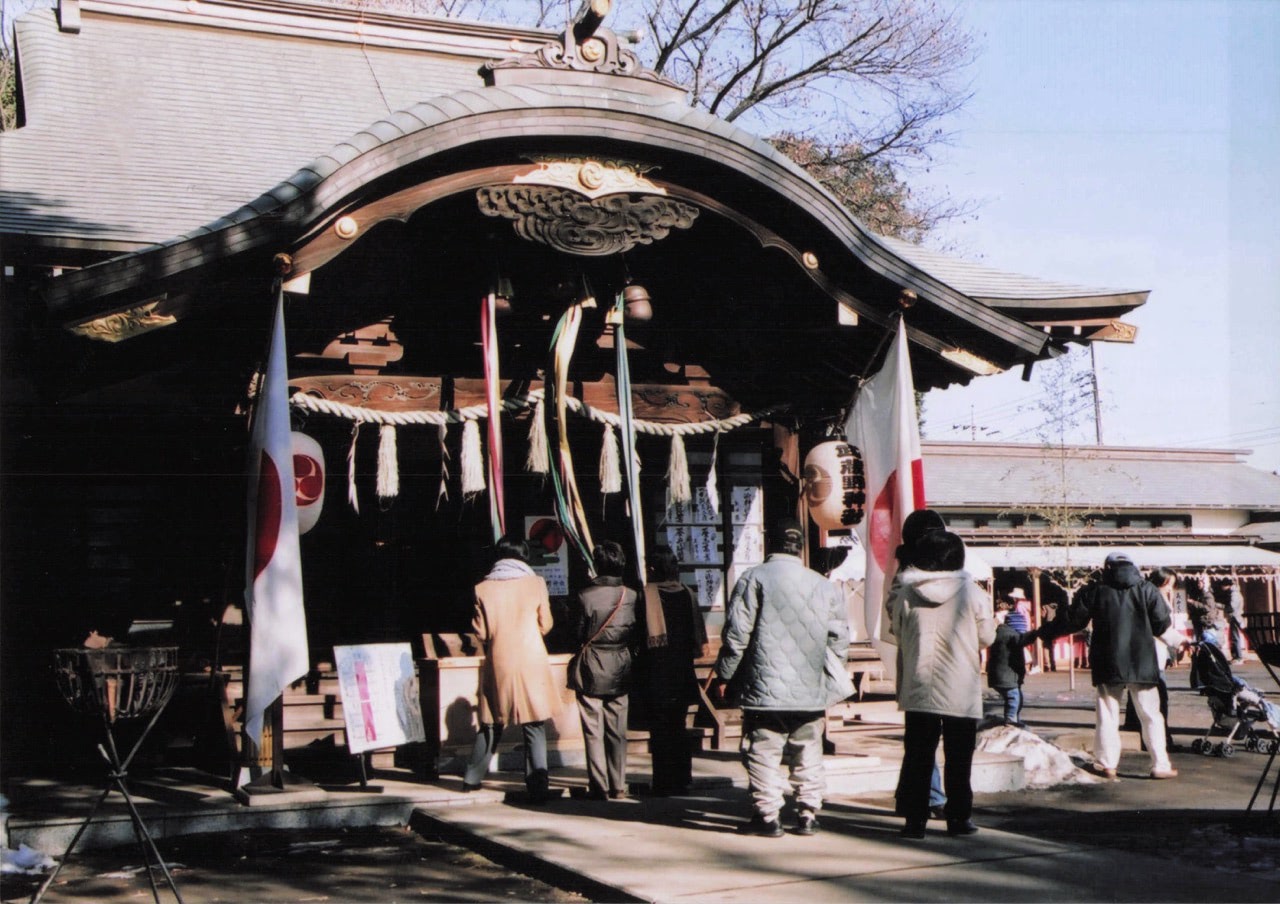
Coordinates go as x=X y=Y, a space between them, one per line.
x=379 y=687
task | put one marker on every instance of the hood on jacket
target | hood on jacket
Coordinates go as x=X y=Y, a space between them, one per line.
x=1122 y=575
x=934 y=587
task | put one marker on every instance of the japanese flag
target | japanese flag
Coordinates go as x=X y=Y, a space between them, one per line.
x=883 y=425
x=278 y=653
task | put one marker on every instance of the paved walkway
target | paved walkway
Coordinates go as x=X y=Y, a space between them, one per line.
x=688 y=850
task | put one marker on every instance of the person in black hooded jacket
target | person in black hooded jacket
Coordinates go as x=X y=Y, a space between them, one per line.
x=1127 y=612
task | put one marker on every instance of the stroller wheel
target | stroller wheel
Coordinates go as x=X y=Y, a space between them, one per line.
x=1228 y=750
x=1251 y=743
x=1206 y=748
x=1274 y=746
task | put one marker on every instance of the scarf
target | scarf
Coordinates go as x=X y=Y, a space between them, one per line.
x=509 y=570
x=653 y=615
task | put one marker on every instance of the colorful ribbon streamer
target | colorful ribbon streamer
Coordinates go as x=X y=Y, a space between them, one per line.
x=492 y=387
x=569 y=510
x=630 y=459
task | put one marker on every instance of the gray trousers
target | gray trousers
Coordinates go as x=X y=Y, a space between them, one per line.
x=486 y=744
x=604 y=734
x=772 y=739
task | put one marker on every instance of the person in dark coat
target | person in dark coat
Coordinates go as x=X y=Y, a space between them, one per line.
x=1127 y=613
x=1007 y=666
x=676 y=636
x=608 y=631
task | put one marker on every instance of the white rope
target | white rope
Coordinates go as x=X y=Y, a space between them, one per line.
x=472 y=461
x=539 y=459
x=610 y=463
x=351 y=468
x=475 y=412
x=388 y=485
x=678 y=482
x=443 y=493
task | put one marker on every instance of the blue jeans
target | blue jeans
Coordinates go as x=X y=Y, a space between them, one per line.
x=1012 y=697
x=936 y=797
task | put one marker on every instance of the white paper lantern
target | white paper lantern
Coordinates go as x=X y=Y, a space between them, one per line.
x=834 y=485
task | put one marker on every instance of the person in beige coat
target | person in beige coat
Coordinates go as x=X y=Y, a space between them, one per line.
x=513 y=614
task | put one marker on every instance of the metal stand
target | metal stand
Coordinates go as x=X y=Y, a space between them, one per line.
x=119 y=684
x=1263 y=632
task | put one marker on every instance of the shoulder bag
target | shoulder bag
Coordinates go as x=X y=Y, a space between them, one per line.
x=574 y=673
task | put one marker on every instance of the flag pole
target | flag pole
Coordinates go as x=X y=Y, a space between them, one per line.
x=278 y=654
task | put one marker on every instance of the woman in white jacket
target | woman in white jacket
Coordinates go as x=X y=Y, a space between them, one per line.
x=941 y=620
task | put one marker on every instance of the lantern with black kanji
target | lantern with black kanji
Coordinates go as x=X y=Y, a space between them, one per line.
x=834 y=485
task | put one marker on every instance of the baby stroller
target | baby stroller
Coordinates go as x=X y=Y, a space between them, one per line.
x=1235 y=704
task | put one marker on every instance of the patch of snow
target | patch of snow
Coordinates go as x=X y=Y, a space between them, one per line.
x=24 y=861
x=1044 y=764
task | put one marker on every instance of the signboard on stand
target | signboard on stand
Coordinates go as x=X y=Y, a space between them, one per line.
x=379 y=687
x=549 y=556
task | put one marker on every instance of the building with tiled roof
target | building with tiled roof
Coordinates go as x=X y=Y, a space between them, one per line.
x=180 y=167
x=1025 y=508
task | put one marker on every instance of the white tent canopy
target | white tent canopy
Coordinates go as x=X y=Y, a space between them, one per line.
x=854 y=567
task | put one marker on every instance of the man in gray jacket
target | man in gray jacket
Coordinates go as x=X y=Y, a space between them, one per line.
x=781 y=621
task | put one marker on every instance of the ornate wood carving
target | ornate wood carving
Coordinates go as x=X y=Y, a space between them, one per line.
x=125 y=324
x=651 y=402
x=376 y=392
x=570 y=222
x=590 y=176
x=598 y=52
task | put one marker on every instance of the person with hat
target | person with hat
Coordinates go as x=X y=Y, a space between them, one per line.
x=1017 y=616
x=782 y=623
x=1127 y=612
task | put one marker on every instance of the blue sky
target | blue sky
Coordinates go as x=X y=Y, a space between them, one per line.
x=1131 y=145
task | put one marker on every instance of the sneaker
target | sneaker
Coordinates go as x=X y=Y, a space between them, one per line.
x=467 y=787
x=913 y=828
x=807 y=824
x=766 y=828
x=1102 y=771
x=1164 y=773
x=938 y=812
x=961 y=827
x=617 y=795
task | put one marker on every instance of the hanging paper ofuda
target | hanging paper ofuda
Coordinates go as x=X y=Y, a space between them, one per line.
x=308 y=480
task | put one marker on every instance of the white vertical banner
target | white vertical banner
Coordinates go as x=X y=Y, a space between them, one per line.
x=883 y=425
x=278 y=654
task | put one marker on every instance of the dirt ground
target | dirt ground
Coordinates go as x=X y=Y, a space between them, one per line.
x=375 y=864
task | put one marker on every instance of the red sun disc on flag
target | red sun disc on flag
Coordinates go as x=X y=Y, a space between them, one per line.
x=269 y=514
x=883 y=528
